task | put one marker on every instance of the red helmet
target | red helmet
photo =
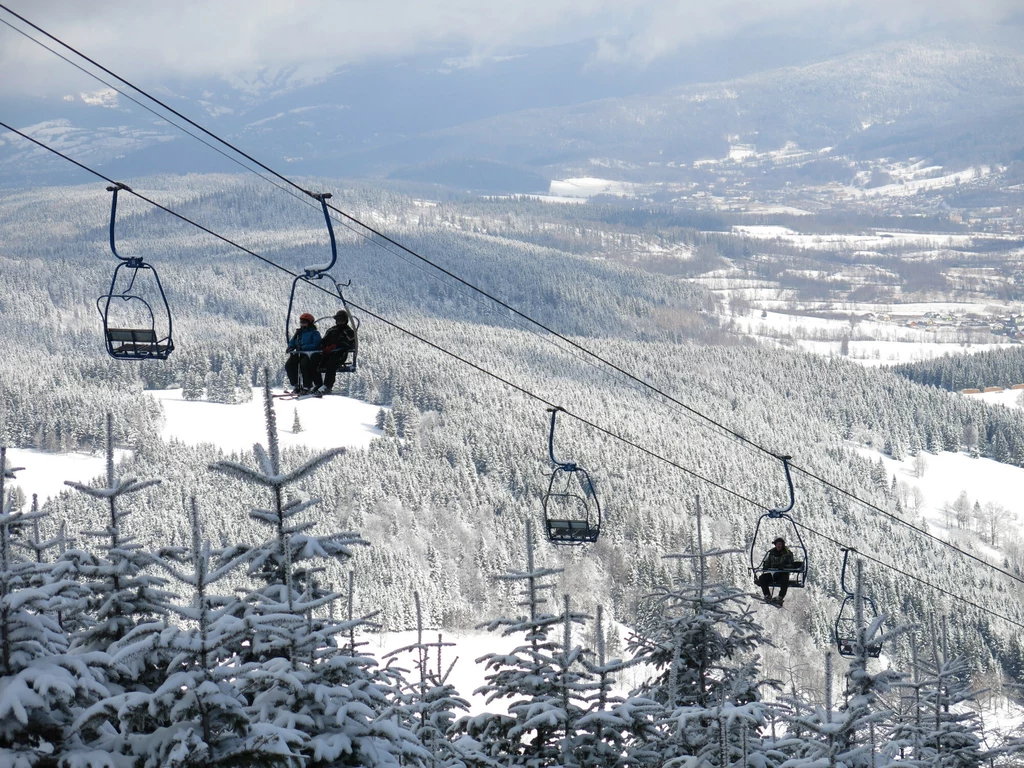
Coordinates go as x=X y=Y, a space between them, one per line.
x=306 y=316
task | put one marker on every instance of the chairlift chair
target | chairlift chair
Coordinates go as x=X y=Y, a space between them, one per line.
x=311 y=275
x=141 y=341
x=846 y=629
x=798 y=573
x=572 y=512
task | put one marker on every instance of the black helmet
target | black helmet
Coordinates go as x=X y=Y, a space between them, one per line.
x=778 y=539
x=341 y=316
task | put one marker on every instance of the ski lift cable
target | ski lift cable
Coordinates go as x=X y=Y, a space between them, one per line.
x=806 y=472
x=905 y=574
x=523 y=390
x=476 y=295
x=381 y=240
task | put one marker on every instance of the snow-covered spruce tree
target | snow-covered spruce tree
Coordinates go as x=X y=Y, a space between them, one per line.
x=538 y=677
x=42 y=684
x=311 y=701
x=123 y=594
x=953 y=737
x=614 y=731
x=428 y=706
x=702 y=640
x=197 y=716
x=856 y=734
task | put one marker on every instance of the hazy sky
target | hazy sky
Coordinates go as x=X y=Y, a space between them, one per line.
x=163 y=40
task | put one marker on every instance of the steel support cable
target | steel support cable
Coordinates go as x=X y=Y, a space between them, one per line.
x=507 y=382
x=370 y=313
x=907 y=575
x=641 y=382
x=305 y=199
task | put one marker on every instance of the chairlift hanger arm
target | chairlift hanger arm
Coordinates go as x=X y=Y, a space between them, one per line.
x=842 y=577
x=775 y=512
x=316 y=272
x=566 y=465
x=116 y=187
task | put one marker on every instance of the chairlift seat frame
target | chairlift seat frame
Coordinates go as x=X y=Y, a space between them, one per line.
x=798 y=572
x=584 y=527
x=133 y=343
x=846 y=620
x=312 y=275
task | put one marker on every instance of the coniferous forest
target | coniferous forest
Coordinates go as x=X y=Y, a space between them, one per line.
x=197 y=608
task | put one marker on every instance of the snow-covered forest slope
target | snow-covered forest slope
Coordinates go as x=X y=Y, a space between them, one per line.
x=445 y=492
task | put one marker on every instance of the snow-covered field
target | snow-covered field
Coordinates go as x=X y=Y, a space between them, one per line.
x=872 y=342
x=44 y=473
x=328 y=422
x=947 y=475
x=589 y=187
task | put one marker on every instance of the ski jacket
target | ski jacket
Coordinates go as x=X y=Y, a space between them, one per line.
x=338 y=338
x=778 y=561
x=305 y=340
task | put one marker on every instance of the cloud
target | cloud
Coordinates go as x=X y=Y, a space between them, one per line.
x=246 y=40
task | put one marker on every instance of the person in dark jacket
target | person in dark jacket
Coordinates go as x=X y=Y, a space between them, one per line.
x=337 y=344
x=304 y=356
x=777 y=564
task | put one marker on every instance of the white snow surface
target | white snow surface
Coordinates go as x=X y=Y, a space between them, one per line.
x=44 y=473
x=946 y=475
x=327 y=422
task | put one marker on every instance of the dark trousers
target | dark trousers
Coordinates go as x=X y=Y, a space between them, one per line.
x=768 y=580
x=329 y=364
x=306 y=365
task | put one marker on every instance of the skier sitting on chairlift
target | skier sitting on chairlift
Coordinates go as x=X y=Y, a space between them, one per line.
x=337 y=344
x=777 y=564
x=304 y=356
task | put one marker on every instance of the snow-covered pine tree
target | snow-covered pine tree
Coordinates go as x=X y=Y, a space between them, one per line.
x=197 y=717
x=312 y=702
x=43 y=686
x=614 y=729
x=429 y=705
x=853 y=735
x=537 y=677
x=123 y=592
x=702 y=639
x=953 y=738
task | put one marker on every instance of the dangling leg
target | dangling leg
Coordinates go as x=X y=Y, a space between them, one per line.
x=782 y=579
x=329 y=362
x=763 y=581
x=313 y=379
x=291 y=367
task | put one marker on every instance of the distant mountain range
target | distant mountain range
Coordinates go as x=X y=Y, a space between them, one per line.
x=512 y=123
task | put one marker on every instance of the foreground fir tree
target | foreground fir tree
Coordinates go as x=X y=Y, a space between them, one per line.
x=315 y=703
x=540 y=678
x=702 y=640
x=43 y=685
x=124 y=593
x=615 y=730
x=197 y=717
x=855 y=735
x=429 y=704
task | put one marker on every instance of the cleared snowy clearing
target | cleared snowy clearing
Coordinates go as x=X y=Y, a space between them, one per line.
x=946 y=475
x=858 y=242
x=588 y=186
x=44 y=473
x=328 y=422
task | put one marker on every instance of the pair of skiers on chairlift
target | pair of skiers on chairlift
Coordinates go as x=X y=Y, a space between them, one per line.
x=317 y=359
